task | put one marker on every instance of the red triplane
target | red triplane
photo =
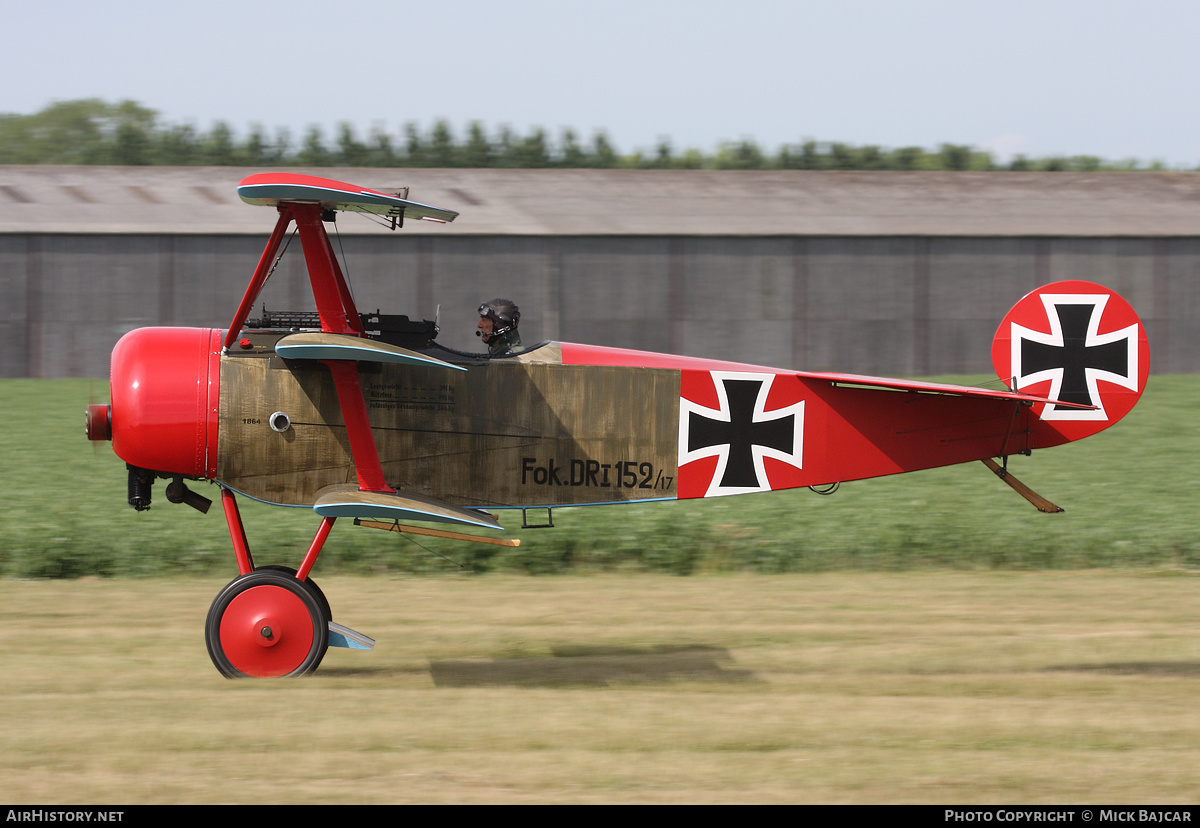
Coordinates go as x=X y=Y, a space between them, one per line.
x=365 y=416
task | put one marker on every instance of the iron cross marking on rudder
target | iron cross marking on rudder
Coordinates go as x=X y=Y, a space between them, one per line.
x=742 y=432
x=1073 y=356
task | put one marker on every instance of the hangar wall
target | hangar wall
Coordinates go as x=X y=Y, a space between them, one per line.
x=892 y=305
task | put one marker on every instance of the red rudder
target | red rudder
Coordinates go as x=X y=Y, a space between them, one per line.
x=1076 y=342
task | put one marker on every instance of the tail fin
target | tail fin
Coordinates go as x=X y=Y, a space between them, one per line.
x=1076 y=342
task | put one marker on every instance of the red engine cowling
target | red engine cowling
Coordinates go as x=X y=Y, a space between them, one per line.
x=164 y=410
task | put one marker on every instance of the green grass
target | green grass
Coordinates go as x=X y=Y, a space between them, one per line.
x=1129 y=494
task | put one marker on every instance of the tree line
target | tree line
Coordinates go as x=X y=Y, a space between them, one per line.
x=126 y=133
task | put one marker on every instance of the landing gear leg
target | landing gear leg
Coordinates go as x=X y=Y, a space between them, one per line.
x=270 y=621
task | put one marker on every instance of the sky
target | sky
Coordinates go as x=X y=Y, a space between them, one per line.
x=1114 y=79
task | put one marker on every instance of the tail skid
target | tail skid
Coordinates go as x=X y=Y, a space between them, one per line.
x=1020 y=488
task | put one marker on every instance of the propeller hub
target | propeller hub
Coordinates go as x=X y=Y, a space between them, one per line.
x=99 y=422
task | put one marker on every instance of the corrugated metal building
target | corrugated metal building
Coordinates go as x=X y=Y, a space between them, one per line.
x=887 y=273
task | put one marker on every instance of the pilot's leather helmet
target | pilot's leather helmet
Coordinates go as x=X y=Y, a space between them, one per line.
x=504 y=313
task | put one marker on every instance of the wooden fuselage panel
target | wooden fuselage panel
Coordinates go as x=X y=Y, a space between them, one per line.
x=517 y=431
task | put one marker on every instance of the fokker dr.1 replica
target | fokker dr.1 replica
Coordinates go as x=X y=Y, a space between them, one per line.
x=366 y=417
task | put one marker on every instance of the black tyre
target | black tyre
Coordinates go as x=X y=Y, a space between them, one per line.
x=266 y=624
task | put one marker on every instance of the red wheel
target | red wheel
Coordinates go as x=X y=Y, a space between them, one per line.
x=266 y=624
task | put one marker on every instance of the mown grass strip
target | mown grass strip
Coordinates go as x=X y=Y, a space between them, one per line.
x=932 y=687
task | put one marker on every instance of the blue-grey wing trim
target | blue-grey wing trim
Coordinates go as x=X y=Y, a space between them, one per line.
x=345 y=500
x=321 y=345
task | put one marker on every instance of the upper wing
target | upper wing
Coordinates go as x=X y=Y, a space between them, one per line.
x=272 y=189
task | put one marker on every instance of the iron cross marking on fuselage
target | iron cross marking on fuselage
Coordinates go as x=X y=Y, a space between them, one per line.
x=741 y=433
x=1074 y=356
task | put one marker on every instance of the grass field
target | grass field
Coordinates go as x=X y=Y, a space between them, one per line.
x=1129 y=492
x=935 y=687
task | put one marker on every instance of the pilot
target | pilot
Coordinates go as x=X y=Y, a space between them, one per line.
x=498 y=320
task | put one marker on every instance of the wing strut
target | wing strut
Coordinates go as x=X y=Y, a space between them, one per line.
x=334 y=305
x=260 y=276
x=339 y=315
